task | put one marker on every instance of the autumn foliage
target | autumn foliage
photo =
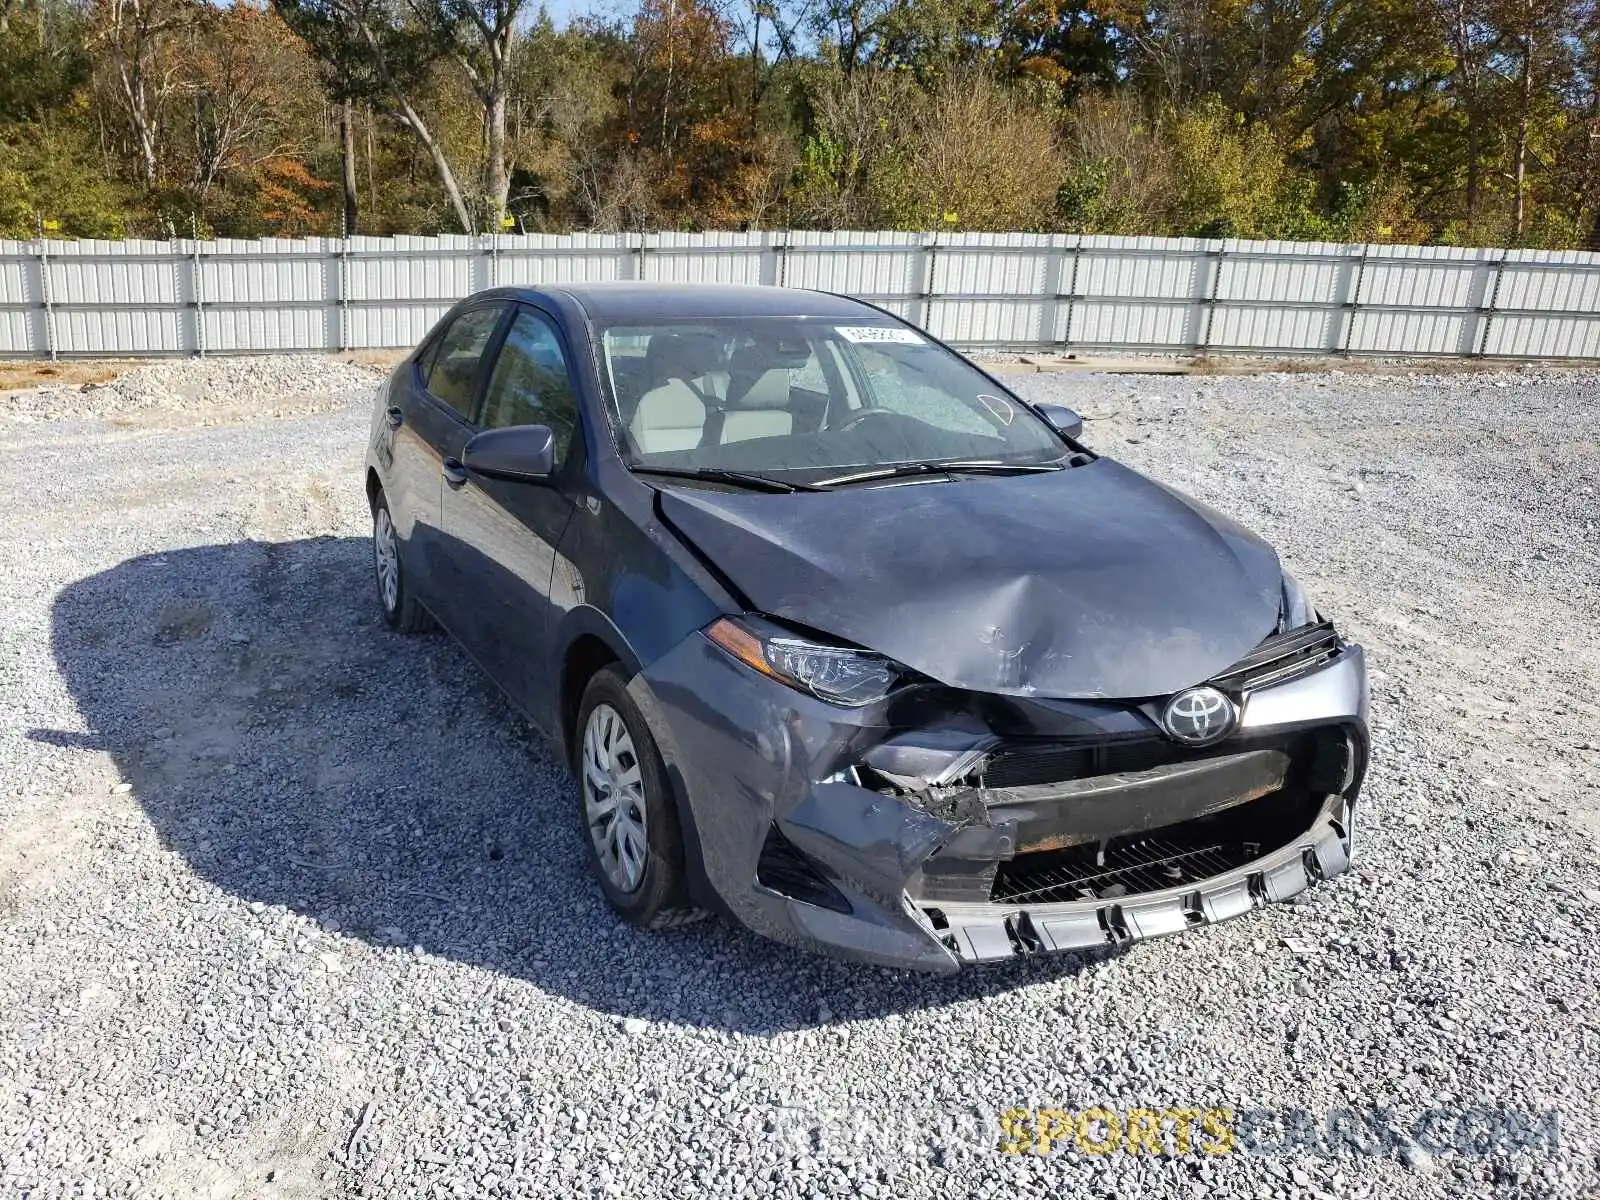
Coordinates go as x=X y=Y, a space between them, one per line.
x=1462 y=121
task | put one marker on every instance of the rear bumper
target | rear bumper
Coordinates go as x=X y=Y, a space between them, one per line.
x=784 y=837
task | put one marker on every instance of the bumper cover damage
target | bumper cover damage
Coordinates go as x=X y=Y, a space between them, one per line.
x=958 y=828
x=978 y=933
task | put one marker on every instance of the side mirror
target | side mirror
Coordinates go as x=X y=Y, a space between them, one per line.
x=520 y=453
x=1063 y=420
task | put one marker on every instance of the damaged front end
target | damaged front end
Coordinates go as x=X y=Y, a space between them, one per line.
x=945 y=827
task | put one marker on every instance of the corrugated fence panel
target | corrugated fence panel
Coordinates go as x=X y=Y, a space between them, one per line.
x=393 y=326
x=246 y=330
x=974 y=289
x=1544 y=337
x=406 y=268
x=576 y=258
x=697 y=258
x=22 y=315
x=1018 y=322
x=1162 y=326
x=146 y=277
x=1300 y=272
x=1552 y=280
x=1398 y=333
x=1432 y=276
x=263 y=274
x=1278 y=330
x=875 y=266
x=118 y=332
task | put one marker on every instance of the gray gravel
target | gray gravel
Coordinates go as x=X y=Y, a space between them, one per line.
x=198 y=392
x=293 y=907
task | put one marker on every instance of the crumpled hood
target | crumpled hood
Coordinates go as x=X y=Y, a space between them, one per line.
x=1087 y=582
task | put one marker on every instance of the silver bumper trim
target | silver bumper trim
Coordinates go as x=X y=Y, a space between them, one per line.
x=986 y=932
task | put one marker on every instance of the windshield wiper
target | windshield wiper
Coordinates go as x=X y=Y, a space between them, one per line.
x=972 y=467
x=747 y=479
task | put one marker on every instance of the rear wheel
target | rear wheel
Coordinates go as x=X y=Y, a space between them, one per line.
x=631 y=832
x=401 y=612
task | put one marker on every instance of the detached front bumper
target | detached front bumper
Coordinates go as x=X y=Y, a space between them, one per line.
x=945 y=829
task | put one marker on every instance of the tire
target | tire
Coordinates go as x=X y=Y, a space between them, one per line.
x=400 y=609
x=647 y=889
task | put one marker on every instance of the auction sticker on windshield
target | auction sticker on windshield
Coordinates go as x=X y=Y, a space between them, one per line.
x=879 y=333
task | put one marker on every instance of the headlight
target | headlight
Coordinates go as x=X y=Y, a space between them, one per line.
x=1297 y=607
x=837 y=674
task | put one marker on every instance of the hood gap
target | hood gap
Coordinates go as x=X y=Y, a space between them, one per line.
x=728 y=585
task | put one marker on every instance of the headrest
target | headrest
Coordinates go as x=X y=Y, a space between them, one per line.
x=674 y=354
x=757 y=378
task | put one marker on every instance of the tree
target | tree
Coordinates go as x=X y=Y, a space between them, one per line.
x=360 y=36
x=479 y=34
x=1073 y=44
x=241 y=78
x=139 y=40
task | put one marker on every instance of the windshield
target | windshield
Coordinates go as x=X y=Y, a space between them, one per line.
x=780 y=394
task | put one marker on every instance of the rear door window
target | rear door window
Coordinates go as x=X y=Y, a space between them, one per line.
x=453 y=368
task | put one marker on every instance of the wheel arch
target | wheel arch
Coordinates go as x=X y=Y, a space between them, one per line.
x=591 y=643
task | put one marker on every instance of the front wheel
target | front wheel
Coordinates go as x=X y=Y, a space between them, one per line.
x=401 y=612
x=630 y=826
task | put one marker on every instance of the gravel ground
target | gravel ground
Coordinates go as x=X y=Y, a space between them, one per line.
x=290 y=906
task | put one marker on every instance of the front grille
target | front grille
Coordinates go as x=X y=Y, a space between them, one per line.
x=1022 y=765
x=1121 y=868
x=1283 y=656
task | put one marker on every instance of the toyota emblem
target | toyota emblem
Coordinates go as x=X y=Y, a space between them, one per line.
x=1199 y=716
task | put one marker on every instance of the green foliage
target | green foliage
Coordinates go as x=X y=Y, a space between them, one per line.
x=1370 y=120
x=42 y=177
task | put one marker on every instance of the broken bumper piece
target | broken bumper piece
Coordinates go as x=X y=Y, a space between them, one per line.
x=954 y=829
x=987 y=932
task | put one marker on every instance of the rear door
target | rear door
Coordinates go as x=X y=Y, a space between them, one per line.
x=503 y=535
x=440 y=397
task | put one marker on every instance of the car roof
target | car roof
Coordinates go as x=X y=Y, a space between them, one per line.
x=645 y=301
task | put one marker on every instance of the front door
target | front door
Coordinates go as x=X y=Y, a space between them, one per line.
x=502 y=535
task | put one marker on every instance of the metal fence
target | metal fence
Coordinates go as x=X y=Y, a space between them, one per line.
x=1020 y=291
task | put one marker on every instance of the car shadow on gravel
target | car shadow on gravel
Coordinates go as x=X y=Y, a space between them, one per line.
x=298 y=754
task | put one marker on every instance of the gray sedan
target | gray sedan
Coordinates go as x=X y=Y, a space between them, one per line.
x=845 y=641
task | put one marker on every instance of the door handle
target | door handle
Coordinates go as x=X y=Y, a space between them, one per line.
x=454 y=473
x=394 y=416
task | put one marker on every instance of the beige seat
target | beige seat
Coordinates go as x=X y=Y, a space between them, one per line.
x=671 y=415
x=763 y=411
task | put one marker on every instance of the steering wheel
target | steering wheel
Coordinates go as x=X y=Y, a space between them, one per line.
x=862 y=416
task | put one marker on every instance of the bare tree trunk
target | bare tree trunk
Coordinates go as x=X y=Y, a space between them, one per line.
x=666 y=91
x=419 y=128
x=1594 y=151
x=372 y=154
x=441 y=164
x=139 y=118
x=347 y=163
x=497 y=176
x=131 y=40
x=1519 y=168
x=1474 y=182
x=1466 y=73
